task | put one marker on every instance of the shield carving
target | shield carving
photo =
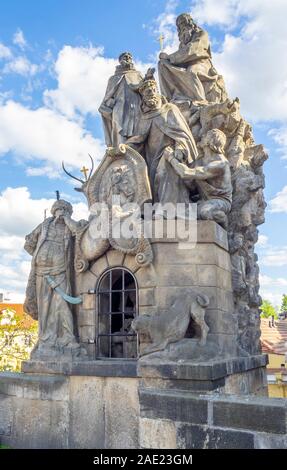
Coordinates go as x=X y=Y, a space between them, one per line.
x=122 y=173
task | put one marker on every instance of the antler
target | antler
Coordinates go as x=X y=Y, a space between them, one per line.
x=69 y=174
x=92 y=169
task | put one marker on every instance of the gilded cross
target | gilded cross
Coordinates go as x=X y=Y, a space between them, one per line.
x=161 y=39
x=85 y=170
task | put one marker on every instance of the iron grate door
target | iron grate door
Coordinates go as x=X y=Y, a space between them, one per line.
x=117 y=295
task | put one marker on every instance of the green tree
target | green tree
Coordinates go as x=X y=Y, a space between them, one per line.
x=18 y=335
x=268 y=310
x=283 y=307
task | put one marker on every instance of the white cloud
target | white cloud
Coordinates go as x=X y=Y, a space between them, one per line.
x=274 y=298
x=22 y=66
x=55 y=132
x=262 y=240
x=267 y=281
x=50 y=172
x=10 y=243
x=279 y=136
x=5 y=96
x=251 y=59
x=272 y=289
x=19 y=39
x=5 y=52
x=165 y=25
x=279 y=202
x=45 y=135
x=274 y=256
x=82 y=74
x=19 y=215
x=14 y=279
x=223 y=13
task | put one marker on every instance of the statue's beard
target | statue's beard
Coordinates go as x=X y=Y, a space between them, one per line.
x=152 y=102
x=185 y=37
x=127 y=65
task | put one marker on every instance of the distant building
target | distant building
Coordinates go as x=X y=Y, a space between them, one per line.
x=18 y=311
x=274 y=343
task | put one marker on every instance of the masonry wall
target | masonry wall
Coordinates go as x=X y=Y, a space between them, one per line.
x=171 y=419
x=178 y=269
x=57 y=411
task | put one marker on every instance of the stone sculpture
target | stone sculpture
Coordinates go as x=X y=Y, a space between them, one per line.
x=121 y=104
x=188 y=75
x=50 y=244
x=170 y=326
x=163 y=131
x=115 y=193
x=212 y=177
x=247 y=212
x=167 y=312
x=188 y=144
x=189 y=79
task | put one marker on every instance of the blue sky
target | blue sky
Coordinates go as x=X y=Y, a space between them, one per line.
x=55 y=59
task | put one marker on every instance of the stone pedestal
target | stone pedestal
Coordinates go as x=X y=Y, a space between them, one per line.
x=163 y=399
x=179 y=269
x=122 y=405
x=242 y=375
x=182 y=267
x=59 y=411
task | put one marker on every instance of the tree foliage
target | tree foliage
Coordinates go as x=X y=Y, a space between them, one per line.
x=283 y=307
x=268 y=310
x=18 y=335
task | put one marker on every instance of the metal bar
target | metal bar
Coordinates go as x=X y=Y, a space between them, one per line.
x=117 y=334
x=110 y=317
x=117 y=290
x=137 y=312
x=123 y=309
x=132 y=312
x=124 y=315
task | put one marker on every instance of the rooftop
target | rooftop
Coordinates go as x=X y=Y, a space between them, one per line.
x=19 y=311
x=274 y=337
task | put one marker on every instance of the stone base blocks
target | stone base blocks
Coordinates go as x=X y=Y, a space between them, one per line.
x=124 y=411
x=173 y=419
x=180 y=268
x=59 y=412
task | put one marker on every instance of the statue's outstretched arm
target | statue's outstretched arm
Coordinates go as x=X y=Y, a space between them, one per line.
x=74 y=225
x=199 y=173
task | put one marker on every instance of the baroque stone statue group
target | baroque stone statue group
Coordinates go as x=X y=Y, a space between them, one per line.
x=183 y=141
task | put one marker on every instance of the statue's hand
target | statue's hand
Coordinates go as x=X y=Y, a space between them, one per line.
x=67 y=217
x=164 y=55
x=178 y=167
x=71 y=224
x=179 y=154
x=59 y=216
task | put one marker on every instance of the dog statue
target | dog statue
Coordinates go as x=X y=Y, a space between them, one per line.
x=170 y=325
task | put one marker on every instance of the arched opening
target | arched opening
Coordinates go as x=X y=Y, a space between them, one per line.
x=117 y=295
